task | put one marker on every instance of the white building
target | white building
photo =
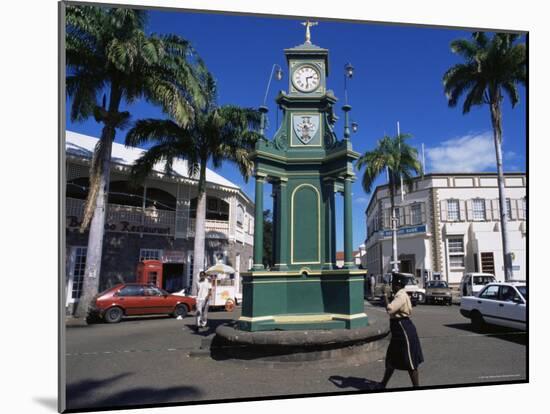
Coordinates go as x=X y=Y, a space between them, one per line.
x=155 y=220
x=448 y=224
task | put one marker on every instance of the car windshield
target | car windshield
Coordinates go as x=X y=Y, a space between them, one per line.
x=437 y=284
x=411 y=281
x=483 y=280
x=523 y=291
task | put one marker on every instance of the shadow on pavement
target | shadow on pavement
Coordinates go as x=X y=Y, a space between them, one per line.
x=353 y=382
x=508 y=334
x=210 y=328
x=80 y=395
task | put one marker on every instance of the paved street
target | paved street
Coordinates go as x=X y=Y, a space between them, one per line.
x=146 y=361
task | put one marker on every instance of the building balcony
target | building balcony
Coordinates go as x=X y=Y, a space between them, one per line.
x=150 y=221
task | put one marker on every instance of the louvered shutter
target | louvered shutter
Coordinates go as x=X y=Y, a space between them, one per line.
x=443 y=210
x=489 y=211
x=462 y=206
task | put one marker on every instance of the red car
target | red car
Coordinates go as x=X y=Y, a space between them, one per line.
x=129 y=299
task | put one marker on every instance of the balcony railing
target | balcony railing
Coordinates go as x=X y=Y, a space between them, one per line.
x=129 y=219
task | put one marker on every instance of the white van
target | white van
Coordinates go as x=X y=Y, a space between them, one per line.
x=472 y=283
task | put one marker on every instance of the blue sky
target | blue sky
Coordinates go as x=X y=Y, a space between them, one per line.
x=398 y=77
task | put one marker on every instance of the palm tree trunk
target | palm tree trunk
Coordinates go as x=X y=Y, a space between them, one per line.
x=200 y=228
x=496 y=118
x=395 y=265
x=90 y=283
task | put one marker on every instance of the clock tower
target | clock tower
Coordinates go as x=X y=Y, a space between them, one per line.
x=308 y=167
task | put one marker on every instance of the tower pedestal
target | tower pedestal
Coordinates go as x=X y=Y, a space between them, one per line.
x=294 y=300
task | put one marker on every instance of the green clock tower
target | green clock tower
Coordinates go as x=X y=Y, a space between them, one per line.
x=308 y=167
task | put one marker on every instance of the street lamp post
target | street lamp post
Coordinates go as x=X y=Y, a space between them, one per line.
x=263 y=109
x=348 y=73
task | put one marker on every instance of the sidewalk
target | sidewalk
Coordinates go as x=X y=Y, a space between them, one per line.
x=71 y=321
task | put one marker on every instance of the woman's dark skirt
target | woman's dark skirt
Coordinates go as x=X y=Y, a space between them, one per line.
x=404 y=351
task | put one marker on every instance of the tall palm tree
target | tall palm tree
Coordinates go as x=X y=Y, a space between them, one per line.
x=493 y=68
x=216 y=134
x=108 y=54
x=400 y=160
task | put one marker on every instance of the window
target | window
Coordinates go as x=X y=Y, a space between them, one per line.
x=131 y=290
x=416 y=214
x=456 y=245
x=487 y=262
x=490 y=292
x=455 y=248
x=524 y=206
x=150 y=254
x=77 y=272
x=479 y=209
x=456 y=261
x=453 y=210
x=508 y=294
x=240 y=215
x=508 y=209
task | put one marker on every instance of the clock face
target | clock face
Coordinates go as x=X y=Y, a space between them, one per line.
x=306 y=78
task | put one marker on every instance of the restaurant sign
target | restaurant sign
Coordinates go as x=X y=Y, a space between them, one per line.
x=123 y=227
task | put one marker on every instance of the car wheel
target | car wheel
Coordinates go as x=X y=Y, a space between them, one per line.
x=113 y=315
x=477 y=321
x=421 y=298
x=229 y=305
x=181 y=310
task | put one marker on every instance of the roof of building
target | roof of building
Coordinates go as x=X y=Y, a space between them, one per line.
x=80 y=145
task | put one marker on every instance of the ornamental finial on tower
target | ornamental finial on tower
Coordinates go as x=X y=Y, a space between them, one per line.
x=308 y=24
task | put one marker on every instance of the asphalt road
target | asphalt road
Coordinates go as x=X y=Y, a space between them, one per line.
x=147 y=361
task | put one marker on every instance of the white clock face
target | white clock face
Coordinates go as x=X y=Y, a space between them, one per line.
x=306 y=78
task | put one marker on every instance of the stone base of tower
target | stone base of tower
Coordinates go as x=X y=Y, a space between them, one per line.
x=303 y=300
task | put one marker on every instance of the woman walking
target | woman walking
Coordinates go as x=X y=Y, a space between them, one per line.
x=404 y=351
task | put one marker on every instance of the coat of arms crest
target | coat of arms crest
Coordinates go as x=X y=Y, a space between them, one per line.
x=305 y=127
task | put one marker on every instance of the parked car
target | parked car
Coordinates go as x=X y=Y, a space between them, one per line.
x=472 y=283
x=500 y=304
x=128 y=299
x=416 y=293
x=438 y=291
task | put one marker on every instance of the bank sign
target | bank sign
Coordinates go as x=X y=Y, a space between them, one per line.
x=406 y=230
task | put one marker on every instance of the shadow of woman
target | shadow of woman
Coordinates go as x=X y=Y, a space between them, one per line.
x=354 y=382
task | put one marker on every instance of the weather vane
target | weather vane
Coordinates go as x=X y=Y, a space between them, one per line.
x=308 y=24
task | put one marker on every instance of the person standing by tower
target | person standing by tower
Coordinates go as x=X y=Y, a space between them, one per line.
x=204 y=291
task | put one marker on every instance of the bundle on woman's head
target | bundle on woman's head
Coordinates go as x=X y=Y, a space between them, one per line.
x=398 y=279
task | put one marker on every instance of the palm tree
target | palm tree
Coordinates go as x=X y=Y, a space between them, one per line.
x=216 y=134
x=400 y=160
x=493 y=68
x=109 y=54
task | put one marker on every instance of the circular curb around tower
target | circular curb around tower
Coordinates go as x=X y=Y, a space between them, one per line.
x=359 y=345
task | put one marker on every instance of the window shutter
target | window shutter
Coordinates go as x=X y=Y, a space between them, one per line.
x=469 y=211
x=462 y=206
x=519 y=204
x=513 y=209
x=443 y=209
x=489 y=211
x=423 y=218
x=496 y=210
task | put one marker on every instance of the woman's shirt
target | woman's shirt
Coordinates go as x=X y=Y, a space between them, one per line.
x=400 y=306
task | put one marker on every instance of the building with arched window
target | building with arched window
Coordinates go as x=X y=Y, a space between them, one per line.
x=154 y=220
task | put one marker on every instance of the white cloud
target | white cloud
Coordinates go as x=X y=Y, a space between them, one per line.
x=470 y=153
x=361 y=200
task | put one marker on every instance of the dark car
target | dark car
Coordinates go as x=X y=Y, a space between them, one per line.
x=438 y=291
x=129 y=299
